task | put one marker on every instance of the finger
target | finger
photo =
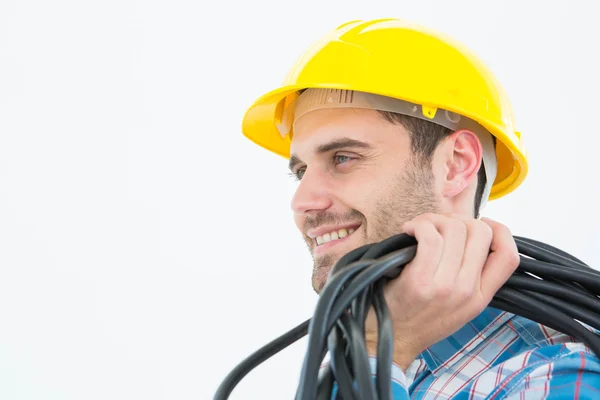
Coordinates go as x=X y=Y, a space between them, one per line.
x=453 y=232
x=502 y=261
x=477 y=250
x=429 y=247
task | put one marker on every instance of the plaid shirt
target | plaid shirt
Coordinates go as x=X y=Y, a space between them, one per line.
x=499 y=355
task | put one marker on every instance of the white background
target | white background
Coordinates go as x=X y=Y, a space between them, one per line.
x=144 y=242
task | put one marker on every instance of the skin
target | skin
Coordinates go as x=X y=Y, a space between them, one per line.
x=356 y=169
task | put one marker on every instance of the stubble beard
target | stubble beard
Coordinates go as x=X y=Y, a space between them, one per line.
x=410 y=194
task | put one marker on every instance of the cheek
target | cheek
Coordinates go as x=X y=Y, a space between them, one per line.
x=373 y=199
x=357 y=188
x=363 y=197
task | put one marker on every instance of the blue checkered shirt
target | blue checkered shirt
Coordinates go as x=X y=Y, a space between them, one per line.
x=499 y=355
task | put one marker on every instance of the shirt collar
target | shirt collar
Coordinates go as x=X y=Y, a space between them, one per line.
x=445 y=353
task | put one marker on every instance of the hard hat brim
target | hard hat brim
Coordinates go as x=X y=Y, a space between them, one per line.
x=258 y=125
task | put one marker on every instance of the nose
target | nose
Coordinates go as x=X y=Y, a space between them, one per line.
x=312 y=195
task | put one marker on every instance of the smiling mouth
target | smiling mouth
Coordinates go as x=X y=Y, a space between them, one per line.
x=334 y=235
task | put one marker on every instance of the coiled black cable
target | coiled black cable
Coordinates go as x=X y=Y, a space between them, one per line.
x=550 y=287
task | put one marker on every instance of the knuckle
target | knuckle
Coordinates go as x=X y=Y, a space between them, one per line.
x=505 y=231
x=465 y=293
x=510 y=253
x=481 y=304
x=501 y=229
x=444 y=291
x=482 y=230
x=459 y=228
x=512 y=258
x=453 y=215
x=427 y=234
x=432 y=239
x=423 y=291
x=487 y=231
x=421 y=221
x=425 y=217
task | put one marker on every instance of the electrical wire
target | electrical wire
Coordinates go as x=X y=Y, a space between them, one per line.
x=550 y=287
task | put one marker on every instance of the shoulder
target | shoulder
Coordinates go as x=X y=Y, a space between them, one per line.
x=564 y=369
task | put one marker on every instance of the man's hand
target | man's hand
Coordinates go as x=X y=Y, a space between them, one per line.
x=459 y=266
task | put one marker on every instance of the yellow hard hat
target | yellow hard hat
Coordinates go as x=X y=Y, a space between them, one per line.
x=401 y=60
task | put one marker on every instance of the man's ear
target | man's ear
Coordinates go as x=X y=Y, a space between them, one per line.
x=463 y=159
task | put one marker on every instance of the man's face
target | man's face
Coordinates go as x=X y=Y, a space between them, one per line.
x=359 y=182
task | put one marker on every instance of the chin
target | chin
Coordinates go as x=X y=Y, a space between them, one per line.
x=321 y=275
x=327 y=256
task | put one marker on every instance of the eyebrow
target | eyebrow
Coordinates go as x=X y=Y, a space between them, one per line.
x=336 y=144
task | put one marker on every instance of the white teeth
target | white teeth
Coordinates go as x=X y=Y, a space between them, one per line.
x=335 y=235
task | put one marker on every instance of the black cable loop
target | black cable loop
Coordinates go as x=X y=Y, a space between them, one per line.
x=550 y=287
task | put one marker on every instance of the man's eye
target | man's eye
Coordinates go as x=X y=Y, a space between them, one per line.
x=339 y=159
x=299 y=173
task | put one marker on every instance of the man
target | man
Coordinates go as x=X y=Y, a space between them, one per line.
x=392 y=128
